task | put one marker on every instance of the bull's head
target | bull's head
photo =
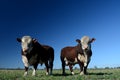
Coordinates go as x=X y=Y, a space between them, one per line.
x=86 y=42
x=26 y=43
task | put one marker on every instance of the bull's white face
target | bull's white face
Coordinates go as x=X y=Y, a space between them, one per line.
x=26 y=43
x=85 y=42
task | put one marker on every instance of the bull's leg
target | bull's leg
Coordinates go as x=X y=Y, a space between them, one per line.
x=85 y=70
x=47 y=68
x=81 y=68
x=34 y=69
x=26 y=71
x=85 y=67
x=26 y=64
x=63 y=67
x=71 y=69
x=51 y=67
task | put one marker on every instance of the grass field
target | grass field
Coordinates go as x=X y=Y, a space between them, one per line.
x=94 y=74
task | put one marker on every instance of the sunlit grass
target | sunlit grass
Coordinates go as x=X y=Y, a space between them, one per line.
x=94 y=74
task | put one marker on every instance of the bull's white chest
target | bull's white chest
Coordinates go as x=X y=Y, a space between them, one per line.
x=81 y=58
x=84 y=58
x=29 y=62
x=25 y=61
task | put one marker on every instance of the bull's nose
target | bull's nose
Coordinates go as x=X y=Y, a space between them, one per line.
x=24 y=50
x=86 y=49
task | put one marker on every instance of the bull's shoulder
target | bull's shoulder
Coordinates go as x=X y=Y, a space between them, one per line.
x=47 y=47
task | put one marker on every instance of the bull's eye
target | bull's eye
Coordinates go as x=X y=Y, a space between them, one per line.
x=29 y=45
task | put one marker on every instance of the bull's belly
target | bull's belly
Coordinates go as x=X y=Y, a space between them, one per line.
x=34 y=61
x=31 y=61
x=70 y=62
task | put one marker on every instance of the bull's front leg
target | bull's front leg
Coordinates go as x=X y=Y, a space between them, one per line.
x=81 y=68
x=51 y=67
x=85 y=67
x=26 y=71
x=26 y=64
x=34 y=69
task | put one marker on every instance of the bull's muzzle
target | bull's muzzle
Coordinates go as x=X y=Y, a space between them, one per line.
x=25 y=50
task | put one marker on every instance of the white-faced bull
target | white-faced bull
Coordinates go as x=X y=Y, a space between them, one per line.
x=34 y=53
x=80 y=54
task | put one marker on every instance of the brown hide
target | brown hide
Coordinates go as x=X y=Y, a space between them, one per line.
x=70 y=53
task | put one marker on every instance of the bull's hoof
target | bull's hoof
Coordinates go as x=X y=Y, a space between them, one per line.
x=72 y=73
x=82 y=73
x=47 y=73
x=50 y=74
x=25 y=74
x=33 y=75
x=64 y=74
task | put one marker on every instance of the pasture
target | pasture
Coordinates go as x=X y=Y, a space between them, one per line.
x=94 y=74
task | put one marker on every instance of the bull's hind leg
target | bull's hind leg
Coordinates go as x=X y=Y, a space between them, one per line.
x=71 y=69
x=51 y=67
x=63 y=67
x=47 y=68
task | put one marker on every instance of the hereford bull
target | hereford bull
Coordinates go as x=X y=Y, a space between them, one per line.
x=34 y=53
x=80 y=54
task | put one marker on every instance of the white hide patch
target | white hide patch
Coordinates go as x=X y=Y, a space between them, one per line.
x=81 y=57
x=25 y=61
x=66 y=61
x=84 y=58
x=75 y=60
x=26 y=41
x=85 y=41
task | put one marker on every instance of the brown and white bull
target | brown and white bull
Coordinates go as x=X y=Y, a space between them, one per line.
x=80 y=54
x=33 y=53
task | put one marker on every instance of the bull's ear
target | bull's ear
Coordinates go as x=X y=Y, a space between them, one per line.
x=92 y=40
x=77 y=40
x=34 y=40
x=18 y=39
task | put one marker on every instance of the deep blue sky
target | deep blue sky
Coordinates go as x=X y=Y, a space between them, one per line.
x=59 y=23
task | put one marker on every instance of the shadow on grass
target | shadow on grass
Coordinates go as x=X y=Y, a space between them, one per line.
x=99 y=73
x=57 y=74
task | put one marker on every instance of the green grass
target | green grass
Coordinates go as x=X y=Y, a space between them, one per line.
x=98 y=74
